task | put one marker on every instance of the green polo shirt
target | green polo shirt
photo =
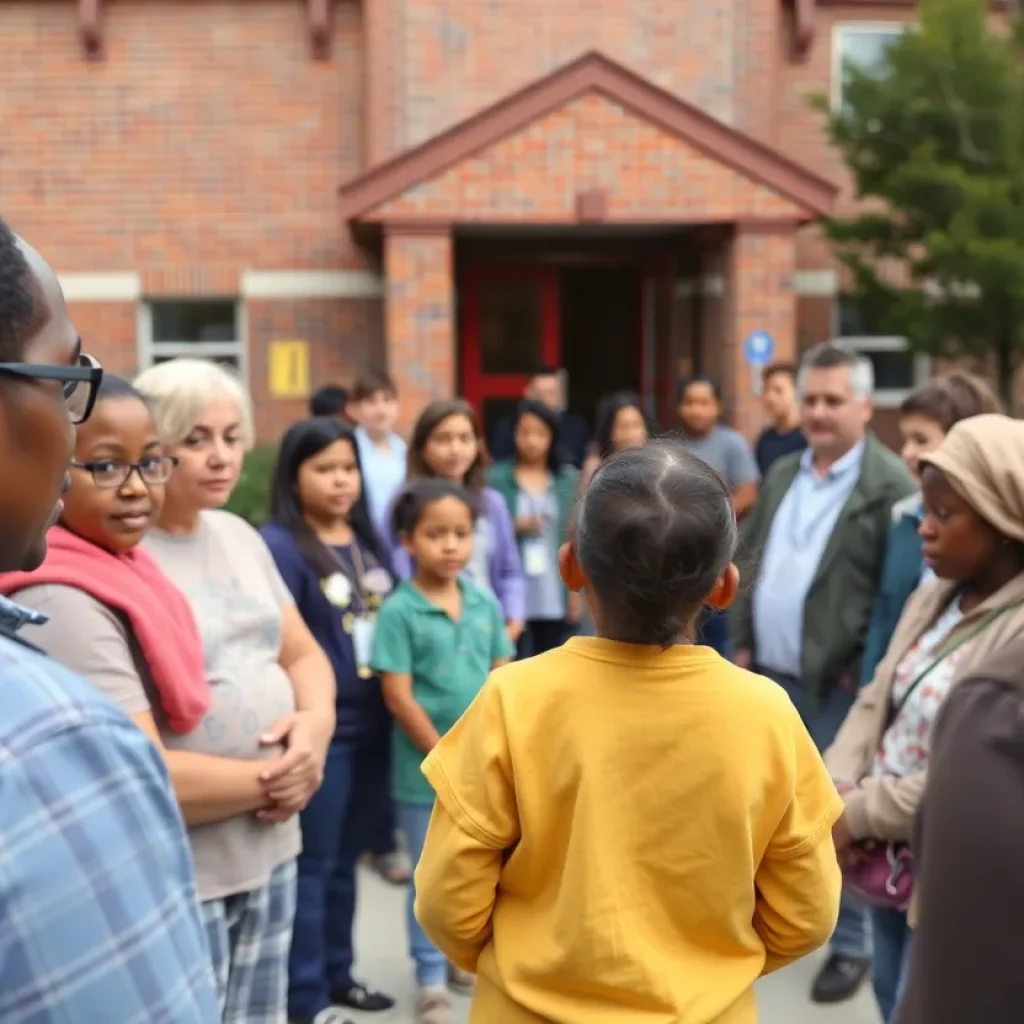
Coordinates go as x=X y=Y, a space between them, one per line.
x=449 y=662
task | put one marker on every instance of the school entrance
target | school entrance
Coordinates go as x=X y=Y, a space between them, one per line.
x=587 y=305
x=593 y=221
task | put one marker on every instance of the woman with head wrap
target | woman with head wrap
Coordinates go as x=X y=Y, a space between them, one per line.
x=973 y=540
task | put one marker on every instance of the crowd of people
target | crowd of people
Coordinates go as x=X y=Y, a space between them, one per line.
x=630 y=783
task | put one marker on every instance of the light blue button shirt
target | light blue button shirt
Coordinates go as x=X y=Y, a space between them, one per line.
x=796 y=542
x=383 y=476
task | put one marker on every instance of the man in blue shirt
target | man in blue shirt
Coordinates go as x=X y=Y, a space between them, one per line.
x=816 y=542
x=98 y=913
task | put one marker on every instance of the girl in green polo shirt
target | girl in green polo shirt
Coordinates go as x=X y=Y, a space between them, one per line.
x=437 y=639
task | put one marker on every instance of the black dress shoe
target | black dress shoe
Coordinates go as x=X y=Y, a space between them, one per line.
x=359 y=997
x=839 y=979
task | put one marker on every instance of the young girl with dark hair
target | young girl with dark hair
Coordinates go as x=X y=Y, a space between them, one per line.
x=629 y=827
x=539 y=487
x=447 y=444
x=337 y=569
x=437 y=639
x=620 y=422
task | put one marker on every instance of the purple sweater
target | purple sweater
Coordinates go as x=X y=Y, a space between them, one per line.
x=504 y=568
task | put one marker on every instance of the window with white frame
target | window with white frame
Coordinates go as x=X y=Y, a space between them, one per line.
x=860 y=46
x=897 y=370
x=196 y=328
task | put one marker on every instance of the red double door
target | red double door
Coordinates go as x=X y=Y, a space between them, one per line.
x=510 y=327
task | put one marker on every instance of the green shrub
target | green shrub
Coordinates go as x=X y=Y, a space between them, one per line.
x=251 y=498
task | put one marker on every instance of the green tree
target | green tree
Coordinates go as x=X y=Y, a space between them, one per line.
x=934 y=140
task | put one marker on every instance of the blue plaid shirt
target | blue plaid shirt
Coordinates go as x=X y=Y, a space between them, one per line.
x=98 y=914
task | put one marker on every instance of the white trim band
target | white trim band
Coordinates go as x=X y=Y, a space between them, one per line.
x=311 y=284
x=815 y=284
x=102 y=286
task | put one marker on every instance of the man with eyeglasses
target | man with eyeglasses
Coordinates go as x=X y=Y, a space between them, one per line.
x=98 y=912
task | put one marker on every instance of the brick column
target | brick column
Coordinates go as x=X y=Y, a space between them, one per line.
x=759 y=286
x=419 y=317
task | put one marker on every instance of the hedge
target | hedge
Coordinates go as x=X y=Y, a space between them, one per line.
x=251 y=498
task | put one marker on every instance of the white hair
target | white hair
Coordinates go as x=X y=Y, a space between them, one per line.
x=831 y=354
x=180 y=390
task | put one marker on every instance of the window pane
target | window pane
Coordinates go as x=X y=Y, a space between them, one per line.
x=194 y=321
x=894 y=371
x=511 y=324
x=228 y=362
x=865 y=50
x=857 y=320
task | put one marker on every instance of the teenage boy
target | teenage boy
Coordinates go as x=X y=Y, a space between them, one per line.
x=374 y=406
x=783 y=434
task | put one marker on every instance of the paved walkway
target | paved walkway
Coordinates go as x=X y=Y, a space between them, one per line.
x=382 y=963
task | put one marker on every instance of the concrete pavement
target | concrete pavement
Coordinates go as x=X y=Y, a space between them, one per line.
x=382 y=963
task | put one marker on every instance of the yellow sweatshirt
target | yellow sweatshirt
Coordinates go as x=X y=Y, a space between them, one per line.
x=627 y=835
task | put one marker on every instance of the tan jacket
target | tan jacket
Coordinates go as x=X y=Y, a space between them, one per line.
x=884 y=808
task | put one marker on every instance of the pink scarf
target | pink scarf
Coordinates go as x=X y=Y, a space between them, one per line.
x=158 y=614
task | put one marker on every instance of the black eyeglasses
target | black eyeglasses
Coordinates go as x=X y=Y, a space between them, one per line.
x=111 y=474
x=80 y=382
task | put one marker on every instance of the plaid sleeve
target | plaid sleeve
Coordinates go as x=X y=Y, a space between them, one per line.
x=98 y=910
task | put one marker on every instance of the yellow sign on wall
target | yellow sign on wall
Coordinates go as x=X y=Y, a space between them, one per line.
x=289 y=369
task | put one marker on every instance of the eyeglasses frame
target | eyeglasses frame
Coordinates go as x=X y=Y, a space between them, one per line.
x=132 y=467
x=89 y=373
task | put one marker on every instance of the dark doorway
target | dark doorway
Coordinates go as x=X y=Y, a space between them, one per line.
x=600 y=313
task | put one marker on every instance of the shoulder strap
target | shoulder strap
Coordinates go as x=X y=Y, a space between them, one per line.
x=944 y=652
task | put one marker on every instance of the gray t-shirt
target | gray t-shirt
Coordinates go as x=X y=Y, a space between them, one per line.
x=726 y=451
x=237 y=596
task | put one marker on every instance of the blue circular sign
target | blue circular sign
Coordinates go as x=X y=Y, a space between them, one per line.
x=759 y=348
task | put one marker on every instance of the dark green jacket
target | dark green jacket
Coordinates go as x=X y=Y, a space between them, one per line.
x=842 y=594
x=502 y=477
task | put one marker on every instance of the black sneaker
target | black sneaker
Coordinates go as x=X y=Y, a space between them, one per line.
x=359 y=997
x=839 y=979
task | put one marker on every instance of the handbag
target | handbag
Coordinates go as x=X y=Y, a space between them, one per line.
x=881 y=873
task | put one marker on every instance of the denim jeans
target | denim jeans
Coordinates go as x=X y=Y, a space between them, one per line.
x=337 y=828
x=893 y=939
x=852 y=937
x=431 y=966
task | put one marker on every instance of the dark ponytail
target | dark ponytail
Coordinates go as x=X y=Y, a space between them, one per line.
x=410 y=504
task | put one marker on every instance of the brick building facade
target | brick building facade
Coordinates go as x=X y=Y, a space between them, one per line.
x=460 y=191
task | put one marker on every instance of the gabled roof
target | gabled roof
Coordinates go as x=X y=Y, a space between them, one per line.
x=592 y=72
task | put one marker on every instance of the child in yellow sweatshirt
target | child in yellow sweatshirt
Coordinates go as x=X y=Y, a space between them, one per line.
x=629 y=829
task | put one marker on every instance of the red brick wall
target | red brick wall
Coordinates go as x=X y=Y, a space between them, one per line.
x=438 y=64
x=207 y=141
x=108 y=332
x=591 y=143
x=761 y=266
x=420 y=315
x=207 y=136
x=344 y=336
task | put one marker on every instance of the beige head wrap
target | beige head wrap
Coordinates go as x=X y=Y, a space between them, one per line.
x=983 y=459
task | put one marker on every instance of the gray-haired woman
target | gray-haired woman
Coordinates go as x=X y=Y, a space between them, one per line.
x=271 y=687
